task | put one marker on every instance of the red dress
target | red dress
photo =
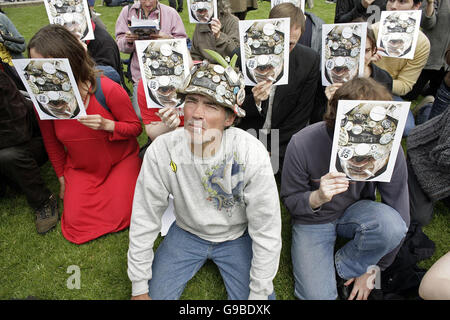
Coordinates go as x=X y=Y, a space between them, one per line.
x=100 y=168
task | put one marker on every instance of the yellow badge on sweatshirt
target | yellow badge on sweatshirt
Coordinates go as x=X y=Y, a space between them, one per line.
x=173 y=166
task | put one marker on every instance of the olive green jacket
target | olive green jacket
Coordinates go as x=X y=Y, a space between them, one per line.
x=243 y=5
x=227 y=42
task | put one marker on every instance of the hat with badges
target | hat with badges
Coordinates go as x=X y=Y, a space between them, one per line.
x=67 y=6
x=46 y=76
x=69 y=13
x=66 y=11
x=399 y=22
x=163 y=61
x=201 y=5
x=163 y=66
x=368 y=129
x=263 y=38
x=222 y=82
x=343 y=41
x=52 y=87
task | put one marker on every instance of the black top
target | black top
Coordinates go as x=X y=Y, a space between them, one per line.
x=293 y=103
x=104 y=50
x=348 y=10
x=305 y=38
x=381 y=76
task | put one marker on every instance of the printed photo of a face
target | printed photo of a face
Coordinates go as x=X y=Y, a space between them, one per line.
x=52 y=89
x=398 y=32
x=163 y=68
x=366 y=136
x=342 y=57
x=71 y=14
x=202 y=11
x=264 y=45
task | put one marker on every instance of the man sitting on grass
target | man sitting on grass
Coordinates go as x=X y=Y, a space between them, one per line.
x=226 y=201
x=324 y=205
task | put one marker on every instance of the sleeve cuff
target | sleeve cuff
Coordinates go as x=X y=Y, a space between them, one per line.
x=139 y=287
x=258 y=106
x=256 y=296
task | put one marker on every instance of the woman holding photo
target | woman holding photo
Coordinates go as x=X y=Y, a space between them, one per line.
x=95 y=157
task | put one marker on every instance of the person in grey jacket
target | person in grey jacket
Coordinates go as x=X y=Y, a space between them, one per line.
x=324 y=205
x=428 y=148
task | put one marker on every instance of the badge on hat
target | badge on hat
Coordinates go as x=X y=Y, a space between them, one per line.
x=222 y=82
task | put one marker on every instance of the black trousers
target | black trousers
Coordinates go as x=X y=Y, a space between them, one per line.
x=173 y=4
x=420 y=206
x=434 y=77
x=19 y=167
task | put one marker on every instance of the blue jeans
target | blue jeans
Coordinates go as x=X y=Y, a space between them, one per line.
x=409 y=125
x=181 y=254
x=110 y=72
x=441 y=102
x=375 y=230
x=409 y=120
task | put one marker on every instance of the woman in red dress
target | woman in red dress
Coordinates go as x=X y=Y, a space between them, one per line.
x=95 y=157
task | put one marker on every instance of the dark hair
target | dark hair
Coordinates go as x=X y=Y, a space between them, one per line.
x=371 y=37
x=231 y=113
x=288 y=10
x=55 y=41
x=355 y=89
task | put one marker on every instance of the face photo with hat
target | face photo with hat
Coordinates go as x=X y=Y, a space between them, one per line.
x=51 y=87
x=343 y=52
x=164 y=68
x=398 y=33
x=72 y=14
x=265 y=50
x=366 y=137
x=202 y=11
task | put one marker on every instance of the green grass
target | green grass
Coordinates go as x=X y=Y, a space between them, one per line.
x=34 y=265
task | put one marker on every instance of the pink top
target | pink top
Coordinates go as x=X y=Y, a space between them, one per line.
x=170 y=23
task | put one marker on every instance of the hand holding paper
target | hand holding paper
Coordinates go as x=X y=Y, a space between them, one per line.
x=261 y=91
x=215 y=27
x=169 y=117
x=97 y=122
x=331 y=184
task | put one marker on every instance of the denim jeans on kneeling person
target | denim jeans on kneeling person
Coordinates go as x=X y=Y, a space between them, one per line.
x=440 y=104
x=375 y=229
x=181 y=254
x=409 y=125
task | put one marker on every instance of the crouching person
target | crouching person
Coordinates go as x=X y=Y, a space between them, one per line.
x=225 y=196
x=325 y=205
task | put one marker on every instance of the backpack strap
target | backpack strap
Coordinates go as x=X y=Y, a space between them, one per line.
x=100 y=96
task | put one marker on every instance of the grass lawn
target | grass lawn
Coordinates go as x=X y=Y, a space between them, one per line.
x=34 y=265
